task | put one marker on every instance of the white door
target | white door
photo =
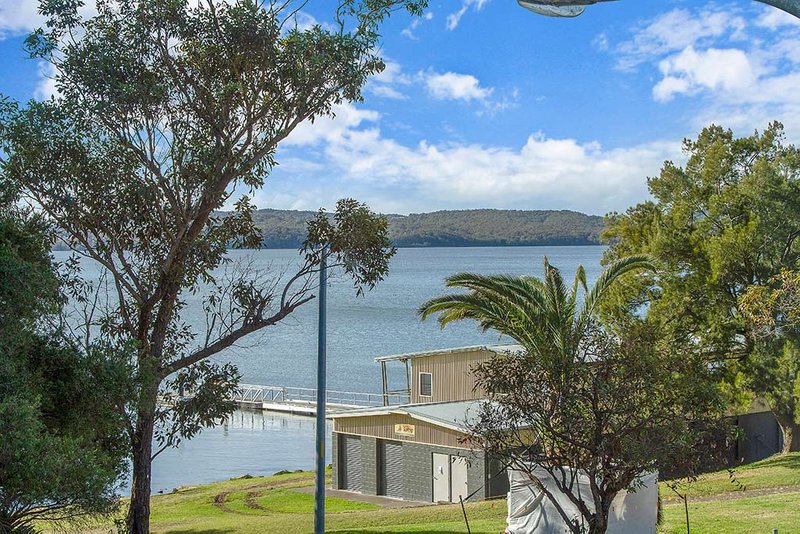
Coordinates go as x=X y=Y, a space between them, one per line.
x=458 y=478
x=441 y=477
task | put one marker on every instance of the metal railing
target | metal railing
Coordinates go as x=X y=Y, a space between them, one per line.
x=255 y=394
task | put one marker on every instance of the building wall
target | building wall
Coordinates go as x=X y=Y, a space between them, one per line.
x=418 y=470
x=452 y=376
x=496 y=477
x=383 y=426
x=335 y=461
x=418 y=467
x=369 y=464
x=762 y=437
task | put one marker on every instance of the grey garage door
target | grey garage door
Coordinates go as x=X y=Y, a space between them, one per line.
x=391 y=477
x=351 y=462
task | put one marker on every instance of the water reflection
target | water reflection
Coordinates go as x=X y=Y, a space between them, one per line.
x=248 y=442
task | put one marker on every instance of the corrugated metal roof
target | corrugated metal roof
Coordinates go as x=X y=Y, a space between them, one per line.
x=500 y=349
x=463 y=414
x=459 y=415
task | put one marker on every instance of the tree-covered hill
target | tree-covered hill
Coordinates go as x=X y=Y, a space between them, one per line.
x=462 y=228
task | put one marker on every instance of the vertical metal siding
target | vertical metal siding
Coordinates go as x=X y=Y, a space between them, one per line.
x=391 y=469
x=452 y=376
x=352 y=463
x=382 y=426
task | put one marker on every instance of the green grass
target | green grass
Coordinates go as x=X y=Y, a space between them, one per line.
x=737 y=516
x=270 y=504
x=776 y=471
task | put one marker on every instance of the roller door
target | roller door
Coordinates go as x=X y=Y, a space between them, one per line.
x=351 y=461
x=391 y=468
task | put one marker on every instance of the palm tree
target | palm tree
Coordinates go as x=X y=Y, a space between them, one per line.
x=555 y=409
x=542 y=315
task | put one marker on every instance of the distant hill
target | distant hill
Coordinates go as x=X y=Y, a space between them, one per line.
x=461 y=228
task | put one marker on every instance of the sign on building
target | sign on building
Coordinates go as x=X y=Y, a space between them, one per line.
x=404 y=429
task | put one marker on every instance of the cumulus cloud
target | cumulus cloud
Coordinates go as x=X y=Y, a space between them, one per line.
x=712 y=69
x=346 y=118
x=677 y=30
x=389 y=82
x=542 y=172
x=19 y=17
x=773 y=18
x=743 y=68
x=455 y=86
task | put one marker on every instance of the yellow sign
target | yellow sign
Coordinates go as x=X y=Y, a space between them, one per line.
x=404 y=429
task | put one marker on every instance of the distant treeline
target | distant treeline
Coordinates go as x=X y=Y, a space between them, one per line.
x=462 y=228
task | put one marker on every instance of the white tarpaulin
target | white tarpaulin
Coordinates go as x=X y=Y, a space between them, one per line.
x=531 y=511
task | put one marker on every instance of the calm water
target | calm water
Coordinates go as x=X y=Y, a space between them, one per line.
x=359 y=328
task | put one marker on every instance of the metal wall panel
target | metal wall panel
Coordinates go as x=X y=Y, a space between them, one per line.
x=383 y=426
x=351 y=463
x=452 y=376
x=391 y=469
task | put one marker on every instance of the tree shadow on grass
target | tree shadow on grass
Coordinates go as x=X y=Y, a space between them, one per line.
x=201 y=531
x=789 y=461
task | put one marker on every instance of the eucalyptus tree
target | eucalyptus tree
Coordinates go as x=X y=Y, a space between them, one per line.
x=163 y=113
x=609 y=402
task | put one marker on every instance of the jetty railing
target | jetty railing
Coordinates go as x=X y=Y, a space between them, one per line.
x=256 y=394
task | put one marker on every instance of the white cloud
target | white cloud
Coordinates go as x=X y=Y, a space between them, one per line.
x=543 y=172
x=454 y=86
x=304 y=21
x=453 y=19
x=677 y=30
x=601 y=42
x=46 y=86
x=712 y=69
x=387 y=83
x=331 y=129
x=19 y=17
x=409 y=30
x=22 y=16
x=773 y=18
x=742 y=70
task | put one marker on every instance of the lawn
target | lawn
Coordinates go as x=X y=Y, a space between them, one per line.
x=271 y=504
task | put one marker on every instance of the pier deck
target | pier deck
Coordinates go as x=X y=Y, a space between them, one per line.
x=303 y=401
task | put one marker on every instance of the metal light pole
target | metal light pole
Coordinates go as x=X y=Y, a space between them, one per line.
x=319 y=495
x=573 y=8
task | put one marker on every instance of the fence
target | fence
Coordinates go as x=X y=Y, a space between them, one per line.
x=255 y=394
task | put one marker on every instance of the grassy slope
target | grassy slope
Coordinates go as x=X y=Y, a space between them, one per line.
x=741 y=513
x=268 y=504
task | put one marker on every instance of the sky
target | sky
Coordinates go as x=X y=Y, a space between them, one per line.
x=485 y=105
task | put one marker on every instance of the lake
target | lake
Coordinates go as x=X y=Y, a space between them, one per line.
x=382 y=322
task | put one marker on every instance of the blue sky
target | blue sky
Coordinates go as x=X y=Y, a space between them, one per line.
x=484 y=104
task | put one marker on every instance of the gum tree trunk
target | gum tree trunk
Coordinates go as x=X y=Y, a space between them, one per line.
x=791 y=432
x=139 y=508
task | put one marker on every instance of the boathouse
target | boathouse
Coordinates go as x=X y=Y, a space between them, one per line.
x=418 y=450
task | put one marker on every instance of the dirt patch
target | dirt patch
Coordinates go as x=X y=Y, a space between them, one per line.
x=250 y=501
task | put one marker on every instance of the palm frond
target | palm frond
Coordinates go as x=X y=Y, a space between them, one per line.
x=612 y=273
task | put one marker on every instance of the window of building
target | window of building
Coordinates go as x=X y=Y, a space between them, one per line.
x=425 y=385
